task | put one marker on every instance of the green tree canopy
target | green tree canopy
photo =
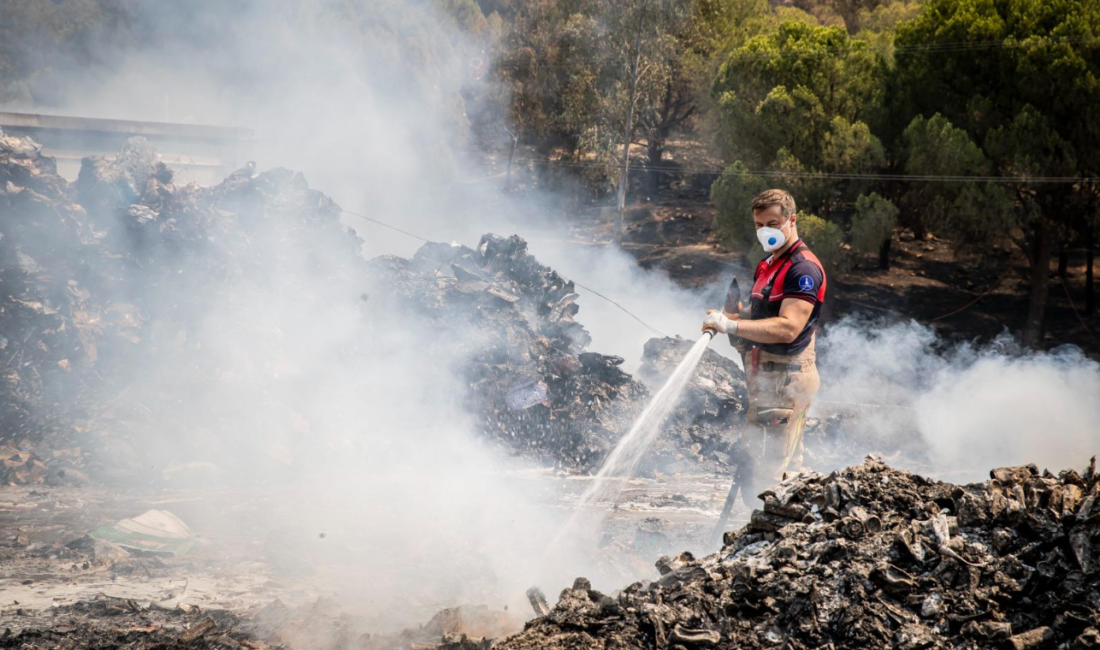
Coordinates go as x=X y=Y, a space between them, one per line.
x=825 y=239
x=974 y=212
x=732 y=195
x=784 y=89
x=873 y=226
x=801 y=100
x=856 y=15
x=1022 y=79
x=586 y=75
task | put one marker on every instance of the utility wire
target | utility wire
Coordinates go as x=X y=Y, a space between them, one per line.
x=575 y=283
x=385 y=225
x=930 y=48
x=980 y=296
x=908 y=178
x=1075 y=312
x=624 y=309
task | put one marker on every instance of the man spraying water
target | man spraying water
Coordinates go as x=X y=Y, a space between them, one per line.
x=776 y=341
x=775 y=337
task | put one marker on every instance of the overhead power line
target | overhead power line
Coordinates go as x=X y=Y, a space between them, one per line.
x=909 y=178
x=624 y=310
x=386 y=225
x=929 y=48
x=575 y=283
x=964 y=46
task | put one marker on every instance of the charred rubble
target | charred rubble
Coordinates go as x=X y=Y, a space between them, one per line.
x=533 y=385
x=102 y=288
x=109 y=622
x=713 y=404
x=868 y=557
x=118 y=622
x=104 y=283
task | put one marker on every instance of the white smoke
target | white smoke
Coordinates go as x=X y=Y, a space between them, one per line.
x=964 y=408
x=648 y=302
x=997 y=410
x=355 y=412
x=369 y=108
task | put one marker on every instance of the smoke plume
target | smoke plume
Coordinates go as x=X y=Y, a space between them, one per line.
x=360 y=411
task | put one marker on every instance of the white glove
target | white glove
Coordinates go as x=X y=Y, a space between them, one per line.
x=719 y=323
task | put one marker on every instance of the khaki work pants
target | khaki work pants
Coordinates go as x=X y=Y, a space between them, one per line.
x=780 y=392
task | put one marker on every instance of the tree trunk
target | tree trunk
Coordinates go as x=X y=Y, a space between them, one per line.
x=1090 y=293
x=628 y=128
x=884 y=254
x=1063 y=263
x=511 y=157
x=1040 y=279
x=919 y=230
x=656 y=151
x=628 y=133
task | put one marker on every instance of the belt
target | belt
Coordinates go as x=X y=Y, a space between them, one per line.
x=771 y=366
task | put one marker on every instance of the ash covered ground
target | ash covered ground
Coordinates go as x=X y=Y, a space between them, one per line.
x=120 y=396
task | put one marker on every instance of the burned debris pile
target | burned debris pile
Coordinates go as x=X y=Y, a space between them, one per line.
x=119 y=291
x=869 y=557
x=110 y=622
x=117 y=622
x=531 y=383
x=711 y=411
x=105 y=289
x=36 y=338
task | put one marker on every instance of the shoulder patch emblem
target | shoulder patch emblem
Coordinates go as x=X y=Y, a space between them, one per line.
x=806 y=283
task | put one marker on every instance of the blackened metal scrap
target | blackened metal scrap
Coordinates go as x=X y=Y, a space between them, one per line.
x=947 y=551
x=1008 y=578
x=107 y=622
x=198 y=630
x=687 y=636
x=796 y=511
x=893 y=579
x=538 y=601
x=765 y=521
x=987 y=630
x=908 y=539
x=1009 y=476
x=1032 y=639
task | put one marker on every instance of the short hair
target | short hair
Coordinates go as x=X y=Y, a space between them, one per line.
x=768 y=198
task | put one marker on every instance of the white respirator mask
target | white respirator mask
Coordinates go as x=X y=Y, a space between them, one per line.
x=772 y=239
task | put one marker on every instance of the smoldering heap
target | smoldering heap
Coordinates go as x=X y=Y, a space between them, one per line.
x=107 y=285
x=870 y=557
x=104 y=284
x=713 y=402
x=533 y=385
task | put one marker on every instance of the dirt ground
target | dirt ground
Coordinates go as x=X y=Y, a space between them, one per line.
x=249 y=583
x=289 y=584
x=242 y=567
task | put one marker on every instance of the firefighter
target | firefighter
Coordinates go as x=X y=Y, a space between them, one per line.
x=776 y=340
